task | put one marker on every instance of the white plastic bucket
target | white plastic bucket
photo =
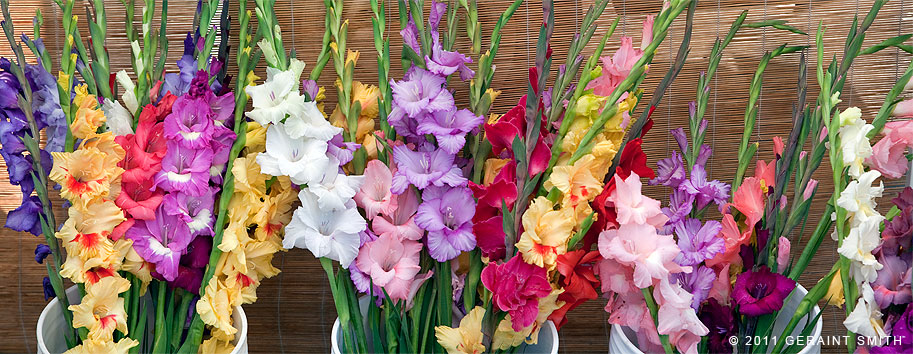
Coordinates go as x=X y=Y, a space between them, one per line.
x=547 y=344
x=51 y=327
x=623 y=340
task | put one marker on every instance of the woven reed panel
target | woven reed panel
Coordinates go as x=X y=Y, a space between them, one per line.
x=295 y=310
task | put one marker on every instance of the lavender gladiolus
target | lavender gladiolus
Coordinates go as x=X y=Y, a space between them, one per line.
x=446 y=213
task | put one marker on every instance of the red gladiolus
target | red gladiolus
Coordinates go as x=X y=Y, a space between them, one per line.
x=578 y=278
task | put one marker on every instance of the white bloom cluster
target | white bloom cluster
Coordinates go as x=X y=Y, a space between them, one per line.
x=858 y=199
x=297 y=145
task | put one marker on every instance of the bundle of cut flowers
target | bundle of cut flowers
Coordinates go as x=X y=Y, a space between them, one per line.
x=447 y=230
x=875 y=248
x=168 y=228
x=703 y=282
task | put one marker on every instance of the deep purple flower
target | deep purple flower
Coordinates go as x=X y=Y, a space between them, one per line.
x=190 y=123
x=198 y=253
x=9 y=83
x=670 y=171
x=698 y=243
x=900 y=340
x=196 y=212
x=48 y=289
x=46 y=106
x=449 y=127
x=424 y=168
x=898 y=232
x=185 y=170
x=698 y=282
x=161 y=241
x=446 y=213
x=761 y=292
x=188 y=279
x=25 y=217
x=705 y=191
x=42 y=252
x=719 y=320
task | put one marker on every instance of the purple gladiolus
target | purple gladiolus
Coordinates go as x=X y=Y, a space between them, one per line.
x=185 y=170
x=42 y=252
x=680 y=205
x=421 y=92
x=721 y=323
x=449 y=127
x=670 y=171
x=424 y=168
x=446 y=213
x=343 y=151
x=761 y=292
x=410 y=36
x=444 y=63
x=893 y=283
x=48 y=289
x=705 y=191
x=161 y=241
x=698 y=283
x=190 y=123
x=698 y=243
x=46 y=106
x=25 y=217
x=196 y=212
x=222 y=139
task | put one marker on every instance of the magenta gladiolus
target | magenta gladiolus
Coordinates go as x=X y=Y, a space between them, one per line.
x=516 y=287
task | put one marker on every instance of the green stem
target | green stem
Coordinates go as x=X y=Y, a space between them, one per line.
x=160 y=341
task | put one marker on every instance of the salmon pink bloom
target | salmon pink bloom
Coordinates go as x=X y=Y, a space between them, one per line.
x=616 y=68
x=516 y=287
x=392 y=263
x=140 y=199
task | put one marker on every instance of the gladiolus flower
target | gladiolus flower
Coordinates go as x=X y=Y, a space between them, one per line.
x=446 y=213
x=545 y=233
x=467 y=338
x=761 y=292
x=375 y=196
x=391 y=263
x=101 y=310
x=326 y=233
x=516 y=287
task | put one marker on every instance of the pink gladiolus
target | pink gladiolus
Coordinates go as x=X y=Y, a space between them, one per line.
x=904 y=109
x=721 y=286
x=402 y=221
x=677 y=318
x=391 y=263
x=634 y=207
x=810 y=189
x=375 y=196
x=639 y=246
x=888 y=155
x=783 y=253
x=778 y=146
